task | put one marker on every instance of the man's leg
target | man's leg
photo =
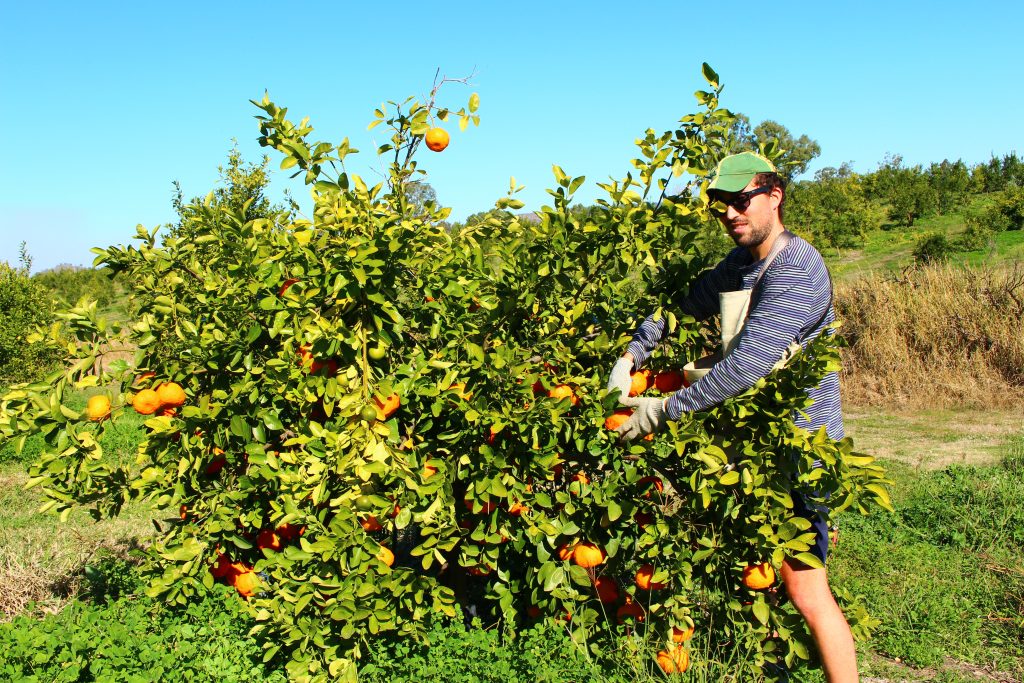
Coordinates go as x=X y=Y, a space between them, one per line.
x=809 y=591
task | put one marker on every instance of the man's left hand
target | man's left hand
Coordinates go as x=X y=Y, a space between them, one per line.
x=648 y=417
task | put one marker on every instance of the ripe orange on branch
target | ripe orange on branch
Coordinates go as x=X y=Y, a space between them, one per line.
x=640 y=382
x=618 y=418
x=681 y=635
x=674 y=661
x=643 y=579
x=437 y=139
x=171 y=395
x=386 y=556
x=98 y=408
x=563 y=391
x=758 y=576
x=388 y=406
x=669 y=381
x=607 y=590
x=246 y=583
x=268 y=539
x=146 y=402
x=588 y=555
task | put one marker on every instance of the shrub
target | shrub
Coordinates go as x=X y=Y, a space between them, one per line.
x=24 y=306
x=934 y=248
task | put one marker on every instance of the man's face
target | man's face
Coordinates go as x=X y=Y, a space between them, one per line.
x=750 y=227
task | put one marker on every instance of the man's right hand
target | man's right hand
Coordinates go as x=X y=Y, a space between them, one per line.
x=620 y=379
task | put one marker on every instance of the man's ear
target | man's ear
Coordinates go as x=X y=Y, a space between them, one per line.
x=776 y=196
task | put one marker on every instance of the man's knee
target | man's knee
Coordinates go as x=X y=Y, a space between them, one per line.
x=808 y=589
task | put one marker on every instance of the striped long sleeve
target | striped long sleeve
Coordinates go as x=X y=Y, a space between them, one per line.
x=790 y=299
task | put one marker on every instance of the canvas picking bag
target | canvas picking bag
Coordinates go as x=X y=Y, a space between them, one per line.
x=734 y=310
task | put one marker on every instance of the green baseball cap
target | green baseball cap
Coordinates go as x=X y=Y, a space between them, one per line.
x=735 y=171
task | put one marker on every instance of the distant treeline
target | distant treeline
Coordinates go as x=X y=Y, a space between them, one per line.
x=839 y=207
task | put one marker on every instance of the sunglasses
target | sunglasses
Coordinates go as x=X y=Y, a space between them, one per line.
x=740 y=201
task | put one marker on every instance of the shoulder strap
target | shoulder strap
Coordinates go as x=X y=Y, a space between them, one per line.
x=781 y=242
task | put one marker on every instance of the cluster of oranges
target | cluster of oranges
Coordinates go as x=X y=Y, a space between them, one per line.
x=166 y=398
x=241 y=575
x=667 y=382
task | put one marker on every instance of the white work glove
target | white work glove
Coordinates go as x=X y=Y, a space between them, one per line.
x=620 y=379
x=648 y=417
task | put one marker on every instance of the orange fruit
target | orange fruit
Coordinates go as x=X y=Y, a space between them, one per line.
x=287 y=283
x=643 y=579
x=222 y=568
x=631 y=610
x=146 y=402
x=561 y=391
x=168 y=412
x=330 y=365
x=565 y=551
x=171 y=395
x=428 y=471
x=486 y=507
x=371 y=524
x=217 y=463
x=437 y=139
x=758 y=576
x=387 y=407
x=668 y=382
x=386 y=556
x=183 y=512
x=675 y=661
x=588 y=555
x=681 y=635
x=267 y=538
x=641 y=381
x=246 y=583
x=618 y=418
x=533 y=611
x=517 y=509
x=143 y=378
x=607 y=590
x=652 y=484
x=460 y=389
x=98 y=408
x=642 y=519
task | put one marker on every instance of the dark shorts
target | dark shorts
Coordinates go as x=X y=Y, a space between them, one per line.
x=819 y=526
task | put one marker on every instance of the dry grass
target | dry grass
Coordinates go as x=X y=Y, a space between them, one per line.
x=934 y=337
x=41 y=560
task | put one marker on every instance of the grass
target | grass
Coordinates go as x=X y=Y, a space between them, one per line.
x=889 y=251
x=943 y=572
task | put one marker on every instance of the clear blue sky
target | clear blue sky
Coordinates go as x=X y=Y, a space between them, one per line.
x=105 y=104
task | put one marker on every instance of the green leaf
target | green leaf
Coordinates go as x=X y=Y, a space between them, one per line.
x=761 y=611
x=709 y=75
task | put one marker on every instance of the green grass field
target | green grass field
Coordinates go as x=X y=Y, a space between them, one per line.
x=891 y=250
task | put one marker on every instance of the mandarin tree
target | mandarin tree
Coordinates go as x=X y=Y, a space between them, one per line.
x=384 y=419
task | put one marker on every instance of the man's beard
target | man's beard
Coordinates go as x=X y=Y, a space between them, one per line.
x=755 y=235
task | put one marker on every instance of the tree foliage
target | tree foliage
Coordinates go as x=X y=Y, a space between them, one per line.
x=25 y=305
x=295 y=338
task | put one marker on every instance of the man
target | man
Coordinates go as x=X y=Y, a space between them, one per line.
x=791 y=301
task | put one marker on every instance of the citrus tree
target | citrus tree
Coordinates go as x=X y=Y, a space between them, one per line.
x=360 y=419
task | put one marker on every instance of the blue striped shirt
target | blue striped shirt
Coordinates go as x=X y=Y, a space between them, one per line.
x=788 y=301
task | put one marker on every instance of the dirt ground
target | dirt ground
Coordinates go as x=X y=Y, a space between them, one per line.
x=934 y=439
